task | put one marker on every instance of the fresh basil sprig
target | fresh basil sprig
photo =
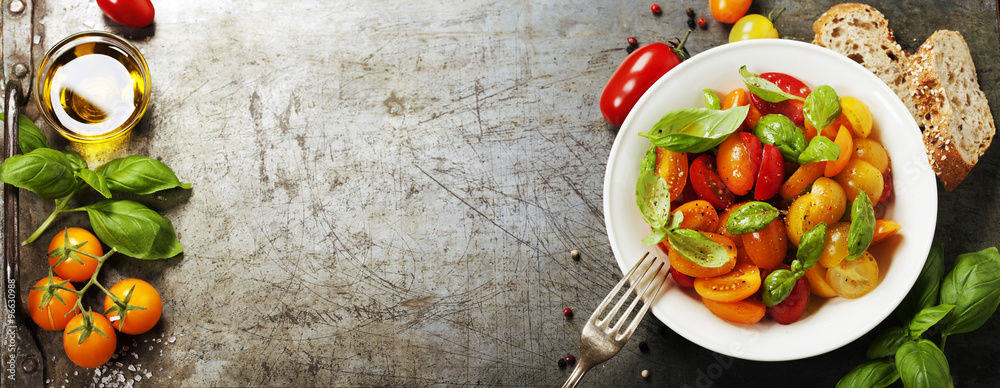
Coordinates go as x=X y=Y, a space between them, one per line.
x=711 y=99
x=765 y=89
x=695 y=129
x=822 y=106
x=819 y=149
x=128 y=226
x=862 y=229
x=751 y=217
x=969 y=295
x=780 y=131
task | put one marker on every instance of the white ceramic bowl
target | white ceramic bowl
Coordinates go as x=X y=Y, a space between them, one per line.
x=828 y=323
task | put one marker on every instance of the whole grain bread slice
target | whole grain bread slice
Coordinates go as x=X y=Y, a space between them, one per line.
x=958 y=123
x=860 y=32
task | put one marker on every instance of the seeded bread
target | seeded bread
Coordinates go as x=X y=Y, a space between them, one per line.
x=958 y=124
x=860 y=32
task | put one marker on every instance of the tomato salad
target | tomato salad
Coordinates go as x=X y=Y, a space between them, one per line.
x=767 y=196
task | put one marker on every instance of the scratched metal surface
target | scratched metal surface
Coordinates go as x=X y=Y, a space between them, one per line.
x=386 y=193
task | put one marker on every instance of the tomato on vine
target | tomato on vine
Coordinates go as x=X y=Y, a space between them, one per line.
x=136 y=303
x=89 y=340
x=51 y=303
x=73 y=254
x=755 y=27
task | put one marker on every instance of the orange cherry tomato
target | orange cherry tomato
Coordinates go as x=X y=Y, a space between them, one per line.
x=693 y=269
x=698 y=215
x=801 y=179
x=734 y=164
x=846 y=144
x=99 y=344
x=738 y=284
x=767 y=247
x=817 y=282
x=673 y=168
x=885 y=229
x=747 y=311
x=737 y=97
x=76 y=267
x=729 y=11
x=139 y=295
x=58 y=310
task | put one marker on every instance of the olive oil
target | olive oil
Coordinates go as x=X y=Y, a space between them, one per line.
x=93 y=89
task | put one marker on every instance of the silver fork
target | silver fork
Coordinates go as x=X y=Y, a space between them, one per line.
x=600 y=339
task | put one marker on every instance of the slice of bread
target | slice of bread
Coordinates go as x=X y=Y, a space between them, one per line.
x=958 y=123
x=860 y=32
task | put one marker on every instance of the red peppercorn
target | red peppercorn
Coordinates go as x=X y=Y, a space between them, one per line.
x=632 y=41
x=570 y=359
x=655 y=8
x=568 y=312
x=702 y=23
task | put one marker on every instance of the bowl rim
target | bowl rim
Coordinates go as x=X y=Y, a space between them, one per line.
x=922 y=238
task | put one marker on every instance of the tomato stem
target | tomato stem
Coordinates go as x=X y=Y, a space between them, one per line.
x=93 y=278
x=61 y=205
x=774 y=14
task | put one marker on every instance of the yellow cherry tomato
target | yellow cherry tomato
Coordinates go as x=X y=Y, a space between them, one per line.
x=858 y=114
x=753 y=27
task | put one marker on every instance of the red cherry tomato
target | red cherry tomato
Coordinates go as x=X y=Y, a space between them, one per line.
x=771 y=175
x=790 y=108
x=634 y=76
x=682 y=279
x=708 y=185
x=755 y=150
x=886 y=186
x=729 y=11
x=791 y=309
x=132 y=13
x=735 y=167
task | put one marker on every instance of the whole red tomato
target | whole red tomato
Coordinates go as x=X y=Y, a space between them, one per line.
x=132 y=13
x=634 y=76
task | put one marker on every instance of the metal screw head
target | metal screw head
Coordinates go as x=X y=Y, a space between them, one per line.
x=16 y=6
x=29 y=364
x=20 y=70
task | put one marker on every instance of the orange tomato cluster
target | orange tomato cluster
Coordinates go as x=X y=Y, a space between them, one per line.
x=813 y=193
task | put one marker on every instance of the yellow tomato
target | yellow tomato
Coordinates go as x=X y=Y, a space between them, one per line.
x=753 y=27
x=858 y=114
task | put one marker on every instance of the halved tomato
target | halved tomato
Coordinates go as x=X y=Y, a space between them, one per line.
x=673 y=168
x=747 y=311
x=693 y=269
x=698 y=215
x=738 y=284
x=790 y=108
x=708 y=185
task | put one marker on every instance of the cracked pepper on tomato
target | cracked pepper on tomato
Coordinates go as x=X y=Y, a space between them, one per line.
x=777 y=202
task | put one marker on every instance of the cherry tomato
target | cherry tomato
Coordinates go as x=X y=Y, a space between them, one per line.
x=737 y=97
x=825 y=203
x=131 y=13
x=707 y=183
x=860 y=175
x=884 y=229
x=89 y=340
x=846 y=143
x=767 y=247
x=681 y=279
x=872 y=152
x=673 y=168
x=790 y=108
x=698 y=215
x=791 y=309
x=735 y=167
x=747 y=311
x=633 y=77
x=804 y=176
x=835 y=247
x=857 y=114
x=57 y=308
x=754 y=149
x=817 y=282
x=143 y=306
x=753 y=27
x=771 y=175
x=693 y=269
x=729 y=11
x=853 y=279
x=886 y=186
x=736 y=285
x=75 y=266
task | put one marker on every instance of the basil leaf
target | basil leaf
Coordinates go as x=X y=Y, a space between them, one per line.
x=872 y=374
x=751 y=217
x=887 y=342
x=44 y=171
x=781 y=132
x=75 y=160
x=95 y=181
x=925 y=290
x=822 y=106
x=655 y=236
x=695 y=129
x=694 y=246
x=134 y=230
x=777 y=286
x=652 y=196
x=676 y=220
x=819 y=149
x=862 y=230
x=765 y=89
x=973 y=286
x=811 y=246
x=926 y=318
x=139 y=175
x=711 y=99
x=922 y=364
x=648 y=161
x=29 y=136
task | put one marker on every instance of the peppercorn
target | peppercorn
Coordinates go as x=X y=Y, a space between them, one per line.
x=570 y=359
x=568 y=312
x=702 y=23
x=690 y=12
x=632 y=41
x=562 y=363
x=575 y=254
x=655 y=8
x=691 y=23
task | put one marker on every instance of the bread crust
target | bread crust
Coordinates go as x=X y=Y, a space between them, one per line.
x=940 y=118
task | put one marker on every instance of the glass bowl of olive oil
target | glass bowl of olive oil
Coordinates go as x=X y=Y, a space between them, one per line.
x=92 y=86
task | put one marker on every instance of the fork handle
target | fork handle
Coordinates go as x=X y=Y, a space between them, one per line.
x=581 y=368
